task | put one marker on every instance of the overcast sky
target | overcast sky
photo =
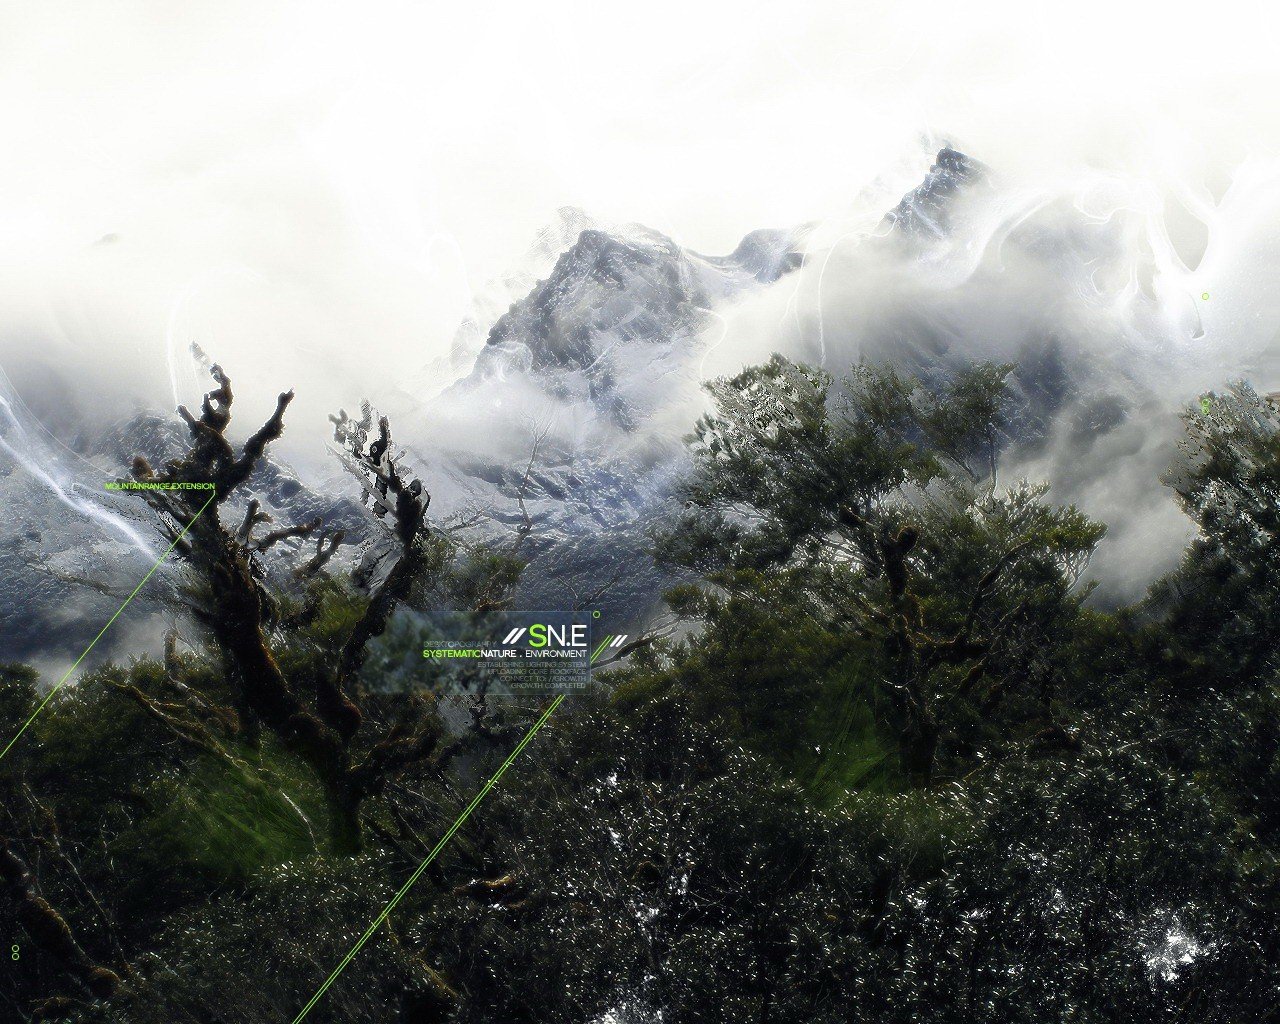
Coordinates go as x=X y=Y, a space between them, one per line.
x=311 y=189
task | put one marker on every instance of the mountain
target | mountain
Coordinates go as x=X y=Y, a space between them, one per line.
x=273 y=484
x=562 y=433
x=926 y=209
x=622 y=311
x=496 y=296
x=73 y=551
x=580 y=396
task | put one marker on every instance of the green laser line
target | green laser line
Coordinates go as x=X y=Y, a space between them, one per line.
x=435 y=850
x=603 y=644
x=52 y=693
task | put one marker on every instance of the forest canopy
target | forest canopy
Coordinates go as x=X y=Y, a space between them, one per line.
x=895 y=765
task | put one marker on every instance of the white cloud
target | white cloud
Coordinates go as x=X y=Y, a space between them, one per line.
x=310 y=190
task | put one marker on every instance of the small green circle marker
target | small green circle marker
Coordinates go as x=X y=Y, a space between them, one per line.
x=1205 y=296
x=595 y=615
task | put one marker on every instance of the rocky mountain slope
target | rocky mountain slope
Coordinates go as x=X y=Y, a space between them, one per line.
x=73 y=550
x=563 y=433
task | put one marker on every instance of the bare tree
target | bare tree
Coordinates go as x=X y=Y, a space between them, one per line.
x=47 y=927
x=319 y=717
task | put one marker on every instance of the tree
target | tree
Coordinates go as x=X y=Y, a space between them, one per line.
x=315 y=713
x=879 y=500
x=740 y=826
x=1215 y=644
x=1227 y=480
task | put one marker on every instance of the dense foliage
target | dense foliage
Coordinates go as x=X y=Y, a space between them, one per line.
x=896 y=767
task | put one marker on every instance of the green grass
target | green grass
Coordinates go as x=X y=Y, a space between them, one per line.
x=843 y=750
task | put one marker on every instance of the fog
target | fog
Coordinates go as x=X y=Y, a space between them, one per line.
x=315 y=193
x=1119 y=305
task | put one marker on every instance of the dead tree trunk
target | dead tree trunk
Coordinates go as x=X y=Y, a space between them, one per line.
x=241 y=614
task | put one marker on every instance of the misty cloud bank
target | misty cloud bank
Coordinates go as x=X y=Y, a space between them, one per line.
x=1094 y=288
x=349 y=206
x=1120 y=306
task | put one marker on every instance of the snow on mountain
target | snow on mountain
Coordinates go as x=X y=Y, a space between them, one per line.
x=615 y=322
x=585 y=364
x=493 y=298
x=73 y=550
x=571 y=418
x=926 y=209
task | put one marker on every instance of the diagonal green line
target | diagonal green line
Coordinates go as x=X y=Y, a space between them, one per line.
x=603 y=644
x=53 y=693
x=435 y=850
